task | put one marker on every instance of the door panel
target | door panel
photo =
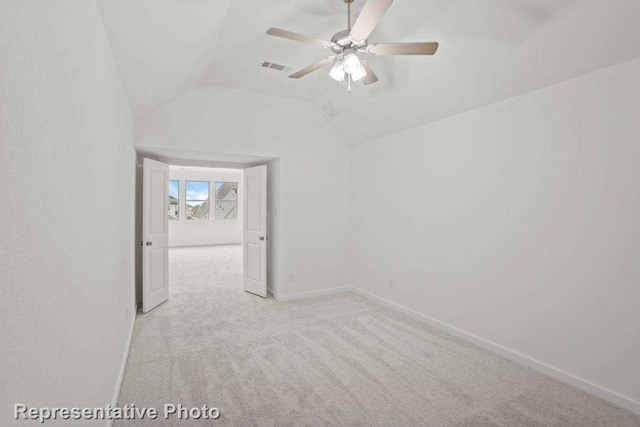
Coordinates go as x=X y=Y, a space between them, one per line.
x=253 y=254
x=158 y=218
x=253 y=203
x=255 y=230
x=158 y=279
x=155 y=235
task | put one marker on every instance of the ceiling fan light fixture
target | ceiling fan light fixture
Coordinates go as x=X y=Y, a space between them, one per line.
x=338 y=71
x=353 y=66
x=346 y=44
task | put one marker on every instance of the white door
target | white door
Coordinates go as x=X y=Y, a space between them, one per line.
x=155 y=234
x=255 y=230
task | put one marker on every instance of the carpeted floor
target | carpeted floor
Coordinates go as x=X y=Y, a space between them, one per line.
x=340 y=360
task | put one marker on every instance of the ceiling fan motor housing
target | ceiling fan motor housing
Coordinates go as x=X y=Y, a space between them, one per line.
x=342 y=41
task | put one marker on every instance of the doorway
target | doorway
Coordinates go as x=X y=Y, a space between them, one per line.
x=205 y=216
x=206 y=209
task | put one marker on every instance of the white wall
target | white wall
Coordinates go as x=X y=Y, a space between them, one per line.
x=67 y=167
x=211 y=231
x=517 y=222
x=314 y=172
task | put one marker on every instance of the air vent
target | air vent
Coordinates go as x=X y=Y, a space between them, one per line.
x=330 y=109
x=274 y=66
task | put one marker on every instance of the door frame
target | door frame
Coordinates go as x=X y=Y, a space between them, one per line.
x=219 y=160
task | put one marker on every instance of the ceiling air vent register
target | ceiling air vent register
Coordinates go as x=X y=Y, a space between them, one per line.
x=274 y=66
x=330 y=109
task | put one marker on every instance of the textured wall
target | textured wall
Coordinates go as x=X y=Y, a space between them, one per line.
x=517 y=222
x=67 y=168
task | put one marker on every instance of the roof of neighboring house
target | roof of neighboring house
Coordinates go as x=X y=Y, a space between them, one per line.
x=202 y=211
x=225 y=189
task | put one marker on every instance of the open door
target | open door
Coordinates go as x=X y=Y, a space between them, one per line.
x=255 y=230
x=155 y=235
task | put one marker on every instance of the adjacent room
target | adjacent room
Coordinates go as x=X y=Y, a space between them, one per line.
x=192 y=190
x=204 y=224
x=320 y=213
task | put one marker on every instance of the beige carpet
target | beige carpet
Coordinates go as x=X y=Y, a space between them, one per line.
x=340 y=360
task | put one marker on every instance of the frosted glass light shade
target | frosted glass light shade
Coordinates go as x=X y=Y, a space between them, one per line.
x=337 y=71
x=353 y=66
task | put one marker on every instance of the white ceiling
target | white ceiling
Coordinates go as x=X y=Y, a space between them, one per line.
x=162 y=47
x=489 y=50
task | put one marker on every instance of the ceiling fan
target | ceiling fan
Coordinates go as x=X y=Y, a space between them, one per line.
x=347 y=44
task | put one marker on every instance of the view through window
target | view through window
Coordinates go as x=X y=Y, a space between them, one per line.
x=226 y=200
x=197 y=200
x=174 y=192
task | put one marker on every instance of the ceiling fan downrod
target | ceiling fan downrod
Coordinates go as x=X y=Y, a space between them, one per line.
x=348 y=2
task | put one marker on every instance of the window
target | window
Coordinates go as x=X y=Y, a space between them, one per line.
x=197 y=200
x=174 y=191
x=226 y=200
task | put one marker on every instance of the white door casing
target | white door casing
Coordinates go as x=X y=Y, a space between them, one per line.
x=255 y=231
x=155 y=235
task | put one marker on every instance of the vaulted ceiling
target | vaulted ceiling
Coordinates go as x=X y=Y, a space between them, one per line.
x=489 y=50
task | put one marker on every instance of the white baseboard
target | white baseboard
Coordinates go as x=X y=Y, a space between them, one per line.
x=116 y=392
x=311 y=294
x=558 y=374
